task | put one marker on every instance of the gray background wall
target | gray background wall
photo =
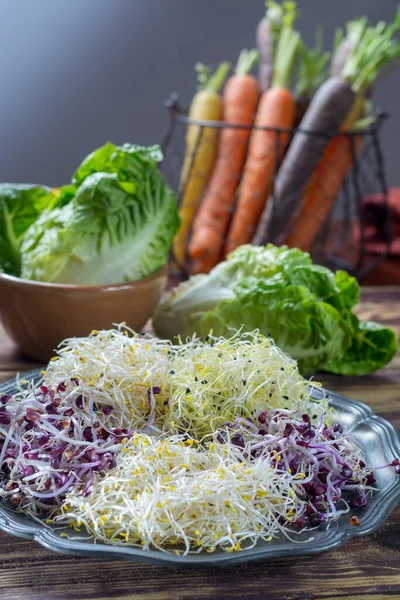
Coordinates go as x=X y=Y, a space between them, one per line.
x=76 y=73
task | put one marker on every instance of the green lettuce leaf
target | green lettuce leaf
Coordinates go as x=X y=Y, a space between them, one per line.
x=372 y=347
x=65 y=194
x=305 y=308
x=20 y=206
x=310 y=331
x=348 y=288
x=112 y=231
x=275 y=290
x=129 y=161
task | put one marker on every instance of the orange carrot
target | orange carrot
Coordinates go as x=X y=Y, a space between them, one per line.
x=322 y=191
x=276 y=111
x=239 y=106
x=325 y=184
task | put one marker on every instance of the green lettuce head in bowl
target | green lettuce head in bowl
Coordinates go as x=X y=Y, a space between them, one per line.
x=115 y=223
x=305 y=308
x=86 y=255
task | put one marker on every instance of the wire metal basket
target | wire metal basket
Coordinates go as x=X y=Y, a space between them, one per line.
x=342 y=241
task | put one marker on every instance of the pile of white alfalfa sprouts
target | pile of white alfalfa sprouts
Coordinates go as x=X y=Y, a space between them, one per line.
x=169 y=494
x=172 y=485
x=117 y=367
x=192 y=387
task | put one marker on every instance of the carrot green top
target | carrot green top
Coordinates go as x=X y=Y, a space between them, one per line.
x=312 y=71
x=246 y=61
x=211 y=81
x=374 y=49
x=354 y=32
x=274 y=15
x=288 y=45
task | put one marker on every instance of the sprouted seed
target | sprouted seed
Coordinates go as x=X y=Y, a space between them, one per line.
x=54 y=440
x=117 y=367
x=323 y=461
x=218 y=380
x=200 y=384
x=169 y=495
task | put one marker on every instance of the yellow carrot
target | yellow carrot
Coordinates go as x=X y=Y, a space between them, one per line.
x=240 y=101
x=201 y=151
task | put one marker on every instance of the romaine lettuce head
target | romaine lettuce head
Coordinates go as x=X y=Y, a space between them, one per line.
x=305 y=308
x=117 y=227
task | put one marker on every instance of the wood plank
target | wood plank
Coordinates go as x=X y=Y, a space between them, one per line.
x=368 y=567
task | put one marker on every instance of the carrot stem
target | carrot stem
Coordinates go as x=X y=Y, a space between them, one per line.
x=287 y=49
x=247 y=61
x=212 y=82
x=311 y=71
x=373 y=49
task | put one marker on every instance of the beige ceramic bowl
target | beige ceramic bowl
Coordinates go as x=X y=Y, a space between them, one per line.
x=38 y=316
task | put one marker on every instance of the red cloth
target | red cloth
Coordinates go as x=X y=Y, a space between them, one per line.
x=374 y=216
x=375 y=222
x=388 y=273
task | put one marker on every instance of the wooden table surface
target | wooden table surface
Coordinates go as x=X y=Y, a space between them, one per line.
x=366 y=568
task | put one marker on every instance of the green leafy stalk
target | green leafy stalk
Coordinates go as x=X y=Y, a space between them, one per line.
x=288 y=45
x=290 y=14
x=279 y=15
x=247 y=61
x=355 y=30
x=267 y=36
x=312 y=70
x=364 y=123
x=274 y=16
x=344 y=44
x=373 y=49
x=211 y=81
x=338 y=39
